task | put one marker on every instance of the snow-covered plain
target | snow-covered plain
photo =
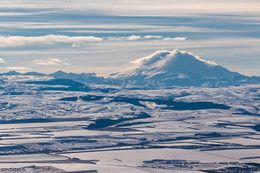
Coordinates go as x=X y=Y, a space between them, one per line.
x=47 y=128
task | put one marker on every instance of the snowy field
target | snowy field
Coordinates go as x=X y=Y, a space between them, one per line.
x=55 y=128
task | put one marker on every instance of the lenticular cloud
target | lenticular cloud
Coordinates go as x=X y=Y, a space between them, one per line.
x=164 y=57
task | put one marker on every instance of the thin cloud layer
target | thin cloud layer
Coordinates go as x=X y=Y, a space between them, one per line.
x=138 y=37
x=2 y=60
x=18 y=69
x=50 y=61
x=135 y=7
x=175 y=39
x=16 y=41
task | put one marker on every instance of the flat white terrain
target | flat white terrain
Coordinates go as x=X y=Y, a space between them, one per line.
x=48 y=128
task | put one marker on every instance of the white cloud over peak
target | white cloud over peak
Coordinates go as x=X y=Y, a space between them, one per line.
x=15 y=41
x=175 y=39
x=162 y=59
x=2 y=60
x=50 y=61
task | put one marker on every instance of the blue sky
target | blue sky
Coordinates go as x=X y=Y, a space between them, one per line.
x=104 y=37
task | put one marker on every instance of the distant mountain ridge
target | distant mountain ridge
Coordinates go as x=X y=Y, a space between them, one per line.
x=163 y=69
x=11 y=73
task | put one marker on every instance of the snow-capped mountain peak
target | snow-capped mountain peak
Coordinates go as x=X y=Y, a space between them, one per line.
x=171 y=68
x=180 y=63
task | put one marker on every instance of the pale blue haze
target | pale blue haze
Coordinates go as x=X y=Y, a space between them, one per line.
x=226 y=32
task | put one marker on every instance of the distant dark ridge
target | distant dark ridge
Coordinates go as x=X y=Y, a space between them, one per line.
x=140 y=82
x=161 y=70
x=90 y=78
x=69 y=85
x=66 y=82
x=103 y=123
x=167 y=104
x=42 y=120
x=12 y=73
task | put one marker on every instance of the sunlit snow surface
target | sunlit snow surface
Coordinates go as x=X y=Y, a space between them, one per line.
x=128 y=130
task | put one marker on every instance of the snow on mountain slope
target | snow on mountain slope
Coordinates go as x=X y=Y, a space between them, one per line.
x=182 y=63
x=179 y=68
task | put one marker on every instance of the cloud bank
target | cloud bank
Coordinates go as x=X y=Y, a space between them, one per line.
x=77 y=41
x=16 y=41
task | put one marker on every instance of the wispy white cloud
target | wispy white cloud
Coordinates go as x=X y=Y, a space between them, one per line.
x=77 y=41
x=130 y=38
x=21 y=14
x=15 y=41
x=116 y=38
x=138 y=37
x=134 y=37
x=175 y=39
x=144 y=29
x=50 y=61
x=135 y=7
x=77 y=25
x=222 y=50
x=2 y=60
x=152 y=36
